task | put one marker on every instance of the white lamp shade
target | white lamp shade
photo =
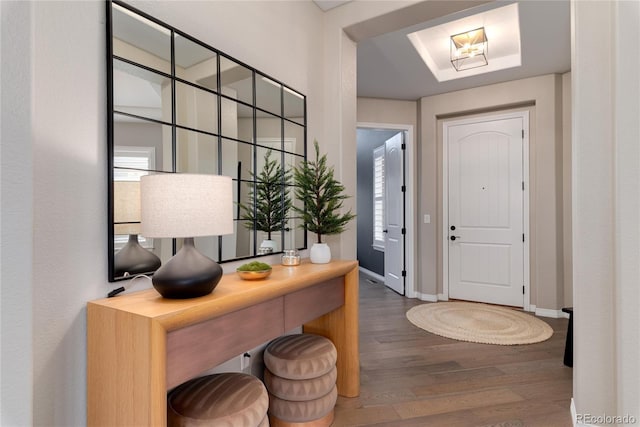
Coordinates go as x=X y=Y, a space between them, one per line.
x=126 y=207
x=186 y=205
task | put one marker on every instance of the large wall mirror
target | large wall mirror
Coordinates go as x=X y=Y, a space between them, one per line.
x=177 y=105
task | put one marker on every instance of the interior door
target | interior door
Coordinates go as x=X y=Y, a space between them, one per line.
x=485 y=206
x=394 y=213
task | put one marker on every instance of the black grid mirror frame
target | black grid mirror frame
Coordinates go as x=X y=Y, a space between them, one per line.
x=178 y=105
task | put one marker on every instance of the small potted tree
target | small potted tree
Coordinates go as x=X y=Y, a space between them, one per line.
x=270 y=199
x=323 y=197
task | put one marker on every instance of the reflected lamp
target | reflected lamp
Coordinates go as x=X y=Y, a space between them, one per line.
x=177 y=205
x=469 y=49
x=132 y=258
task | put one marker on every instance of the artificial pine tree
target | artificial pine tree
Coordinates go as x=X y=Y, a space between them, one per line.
x=270 y=198
x=322 y=196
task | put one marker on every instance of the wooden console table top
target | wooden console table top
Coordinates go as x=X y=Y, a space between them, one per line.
x=136 y=342
x=231 y=294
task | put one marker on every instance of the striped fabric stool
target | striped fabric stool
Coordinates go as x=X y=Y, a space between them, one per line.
x=219 y=400
x=300 y=377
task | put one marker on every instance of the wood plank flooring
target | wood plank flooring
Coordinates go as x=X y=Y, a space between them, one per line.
x=410 y=377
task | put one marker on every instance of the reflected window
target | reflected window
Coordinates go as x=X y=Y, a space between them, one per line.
x=131 y=163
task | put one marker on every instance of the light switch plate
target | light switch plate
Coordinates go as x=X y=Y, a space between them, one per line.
x=427 y=218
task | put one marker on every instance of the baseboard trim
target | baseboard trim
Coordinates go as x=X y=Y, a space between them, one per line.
x=427 y=297
x=542 y=312
x=546 y=312
x=371 y=274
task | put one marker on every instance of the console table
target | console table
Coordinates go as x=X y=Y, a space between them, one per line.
x=141 y=345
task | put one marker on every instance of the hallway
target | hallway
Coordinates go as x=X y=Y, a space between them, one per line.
x=410 y=377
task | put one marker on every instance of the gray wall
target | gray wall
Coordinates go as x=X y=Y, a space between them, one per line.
x=368 y=140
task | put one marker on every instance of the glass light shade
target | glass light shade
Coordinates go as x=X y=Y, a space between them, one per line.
x=126 y=207
x=469 y=49
x=186 y=205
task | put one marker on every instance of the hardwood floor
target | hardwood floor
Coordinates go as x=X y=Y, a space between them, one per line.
x=410 y=377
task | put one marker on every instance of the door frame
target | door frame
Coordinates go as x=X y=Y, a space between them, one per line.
x=524 y=114
x=410 y=197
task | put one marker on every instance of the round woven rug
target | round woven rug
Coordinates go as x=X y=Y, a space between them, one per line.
x=480 y=323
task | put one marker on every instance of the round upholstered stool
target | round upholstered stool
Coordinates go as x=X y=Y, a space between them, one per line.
x=300 y=376
x=220 y=400
x=300 y=357
x=300 y=390
x=315 y=412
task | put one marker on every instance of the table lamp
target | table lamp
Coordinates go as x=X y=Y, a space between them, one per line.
x=179 y=205
x=132 y=258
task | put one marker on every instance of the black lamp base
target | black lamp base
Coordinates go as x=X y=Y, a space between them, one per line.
x=134 y=259
x=189 y=274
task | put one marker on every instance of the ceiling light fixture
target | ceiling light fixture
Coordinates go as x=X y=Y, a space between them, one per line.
x=469 y=49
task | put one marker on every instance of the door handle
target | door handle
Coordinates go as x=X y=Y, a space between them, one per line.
x=455 y=237
x=385 y=231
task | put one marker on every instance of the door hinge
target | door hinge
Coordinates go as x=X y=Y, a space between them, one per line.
x=403 y=146
x=404 y=230
x=522 y=185
x=522 y=289
x=403 y=188
x=523 y=237
x=404 y=273
x=522 y=133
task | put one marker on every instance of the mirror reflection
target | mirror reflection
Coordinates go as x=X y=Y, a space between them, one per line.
x=195 y=63
x=236 y=80
x=140 y=92
x=196 y=108
x=139 y=39
x=294 y=108
x=269 y=200
x=268 y=95
x=294 y=138
x=134 y=254
x=199 y=111
x=196 y=152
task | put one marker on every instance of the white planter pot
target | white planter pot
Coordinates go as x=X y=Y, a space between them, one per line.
x=269 y=244
x=320 y=253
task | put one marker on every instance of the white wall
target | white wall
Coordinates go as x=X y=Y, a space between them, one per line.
x=16 y=210
x=566 y=191
x=69 y=208
x=389 y=111
x=606 y=207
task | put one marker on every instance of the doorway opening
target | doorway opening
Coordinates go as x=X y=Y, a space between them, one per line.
x=385 y=199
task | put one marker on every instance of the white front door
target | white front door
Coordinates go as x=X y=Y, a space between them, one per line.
x=394 y=214
x=485 y=225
